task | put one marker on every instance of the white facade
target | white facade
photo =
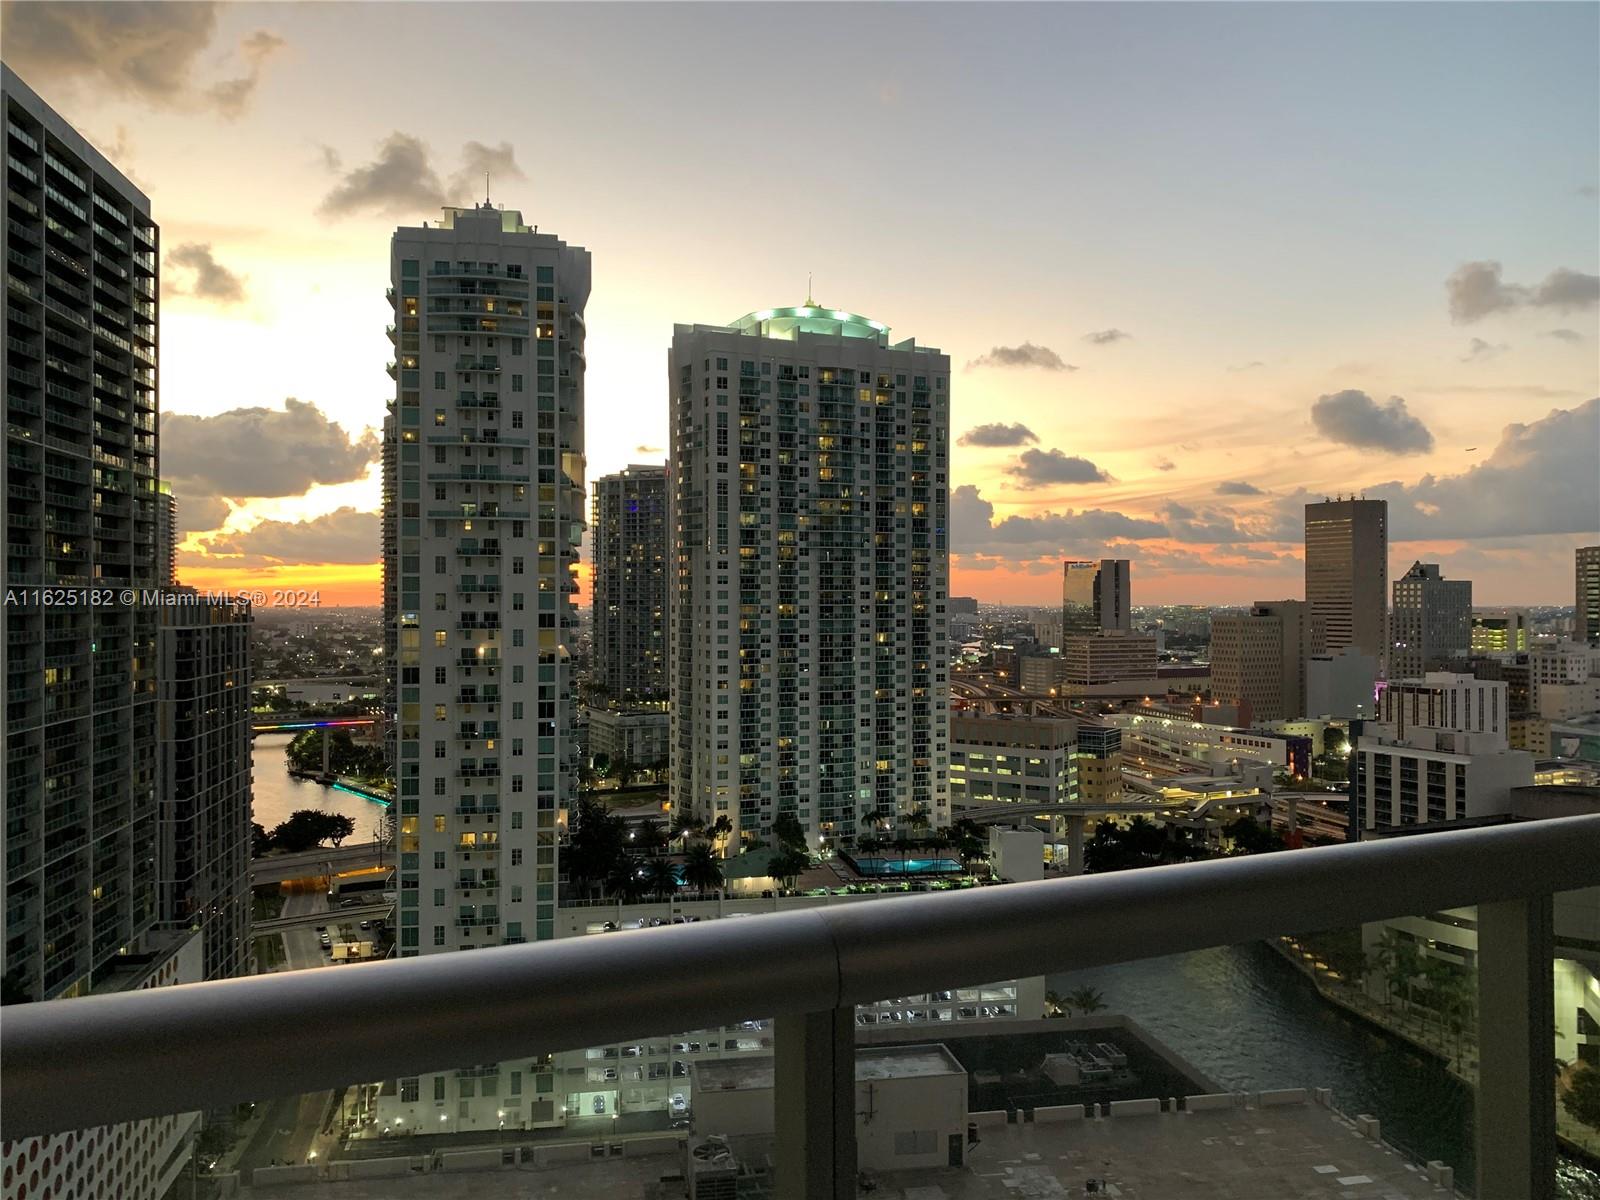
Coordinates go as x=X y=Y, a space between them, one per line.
x=640 y=735
x=1341 y=685
x=1565 y=679
x=1442 y=700
x=808 y=632
x=487 y=473
x=1110 y=656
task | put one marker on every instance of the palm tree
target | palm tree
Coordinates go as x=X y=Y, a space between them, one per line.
x=661 y=876
x=649 y=838
x=701 y=870
x=786 y=865
x=684 y=824
x=1052 y=1004
x=625 y=880
x=719 y=830
x=1086 y=1000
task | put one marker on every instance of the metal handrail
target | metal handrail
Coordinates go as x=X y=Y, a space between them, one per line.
x=101 y=1059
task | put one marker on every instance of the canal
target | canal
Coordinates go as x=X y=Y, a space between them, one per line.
x=1249 y=1020
x=276 y=793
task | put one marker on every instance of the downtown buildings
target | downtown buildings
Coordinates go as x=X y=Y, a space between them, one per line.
x=808 y=641
x=1095 y=596
x=1586 y=560
x=484 y=474
x=1258 y=660
x=629 y=533
x=126 y=776
x=1431 y=623
x=1347 y=557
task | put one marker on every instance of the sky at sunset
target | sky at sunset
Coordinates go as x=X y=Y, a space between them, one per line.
x=1193 y=264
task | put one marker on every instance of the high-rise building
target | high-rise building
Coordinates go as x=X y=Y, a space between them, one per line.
x=166 y=533
x=808 y=646
x=1499 y=630
x=1347 y=574
x=1097 y=762
x=1258 y=660
x=628 y=531
x=484 y=459
x=1095 y=596
x=1431 y=622
x=81 y=511
x=205 y=779
x=81 y=773
x=1586 y=626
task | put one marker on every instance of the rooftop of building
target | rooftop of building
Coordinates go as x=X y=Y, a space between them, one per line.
x=1232 y=1154
x=872 y=1063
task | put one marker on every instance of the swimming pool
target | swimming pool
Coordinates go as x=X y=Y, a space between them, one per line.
x=909 y=866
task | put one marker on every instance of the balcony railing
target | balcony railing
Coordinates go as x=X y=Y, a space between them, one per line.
x=124 y=1057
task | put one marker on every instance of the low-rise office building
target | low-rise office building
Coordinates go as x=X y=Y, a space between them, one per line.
x=1109 y=656
x=640 y=735
x=1004 y=758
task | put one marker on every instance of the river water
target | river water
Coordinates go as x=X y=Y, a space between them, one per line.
x=276 y=793
x=1247 y=1019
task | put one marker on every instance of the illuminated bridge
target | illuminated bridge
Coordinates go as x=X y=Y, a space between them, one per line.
x=294 y=723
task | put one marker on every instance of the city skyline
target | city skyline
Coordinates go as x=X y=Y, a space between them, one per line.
x=1244 y=305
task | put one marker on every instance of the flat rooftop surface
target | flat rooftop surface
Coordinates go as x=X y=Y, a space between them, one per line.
x=872 y=1062
x=1293 y=1152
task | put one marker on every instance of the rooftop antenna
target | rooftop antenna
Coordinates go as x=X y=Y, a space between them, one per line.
x=810 y=303
x=486 y=189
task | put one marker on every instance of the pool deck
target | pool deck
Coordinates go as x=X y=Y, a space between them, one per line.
x=1286 y=1152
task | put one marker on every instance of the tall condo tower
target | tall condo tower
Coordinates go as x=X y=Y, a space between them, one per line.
x=628 y=531
x=1347 y=574
x=1096 y=595
x=809 y=513
x=488 y=477
x=81 y=511
x=484 y=495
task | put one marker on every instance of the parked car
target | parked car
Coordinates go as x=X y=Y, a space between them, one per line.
x=366 y=925
x=599 y=1104
x=678 y=1104
x=327 y=942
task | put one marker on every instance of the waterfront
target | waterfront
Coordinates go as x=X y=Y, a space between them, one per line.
x=276 y=793
x=1249 y=1020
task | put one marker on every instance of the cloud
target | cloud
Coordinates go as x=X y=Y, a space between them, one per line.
x=200 y=513
x=1104 y=337
x=997 y=434
x=1353 y=418
x=1163 y=463
x=1539 y=479
x=1238 y=487
x=649 y=450
x=345 y=535
x=1479 y=350
x=1252 y=365
x=331 y=159
x=1476 y=290
x=402 y=179
x=1209 y=527
x=1537 y=391
x=144 y=50
x=1040 y=468
x=1570 y=336
x=1025 y=355
x=212 y=280
x=972 y=528
x=247 y=452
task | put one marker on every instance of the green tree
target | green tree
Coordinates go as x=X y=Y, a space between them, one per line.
x=649 y=838
x=787 y=864
x=623 y=770
x=596 y=841
x=1249 y=837
x=306 y=829
x=260 y=840
x=1052 y=1004
x=789 y=832
x=719 y=831
x=626 y=879
x=701 y=870
x=661 y=876
x=1085 y=1000
x=339 y=827
x=1581 y=1096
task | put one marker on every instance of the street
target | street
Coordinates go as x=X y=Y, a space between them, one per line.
x=290 y=1130
x=301 y=946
